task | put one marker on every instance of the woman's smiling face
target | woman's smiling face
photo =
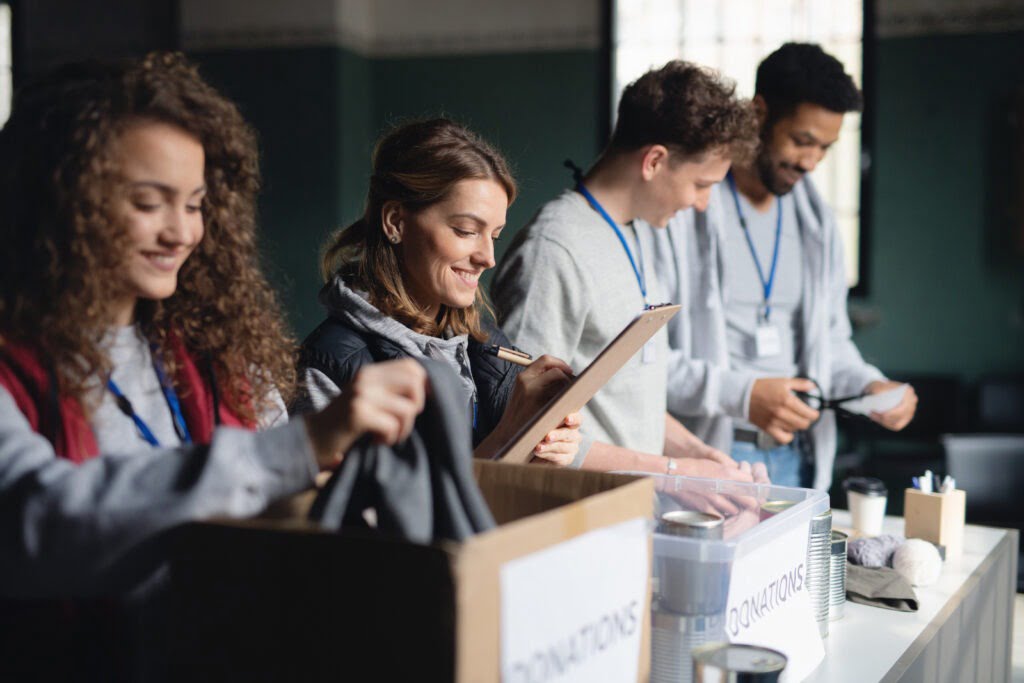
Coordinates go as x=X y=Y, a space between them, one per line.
x=159 y=204
x=445 y=247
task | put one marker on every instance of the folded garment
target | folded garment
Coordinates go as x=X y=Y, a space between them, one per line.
x=879 y=587
x=873 y=552
x=421 y=490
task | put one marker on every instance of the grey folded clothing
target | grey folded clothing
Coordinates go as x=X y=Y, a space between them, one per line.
x=879 y=587
x=875 y=551
x=423 y=489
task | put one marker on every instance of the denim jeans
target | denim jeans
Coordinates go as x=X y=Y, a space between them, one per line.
x=785 y=464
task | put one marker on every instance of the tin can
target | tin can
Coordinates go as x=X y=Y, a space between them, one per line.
x=692 y=524
x=673 y=638
x=688 y=586
x=737 y=664
x=819 y=551
x=773 y=507
x=837 y=576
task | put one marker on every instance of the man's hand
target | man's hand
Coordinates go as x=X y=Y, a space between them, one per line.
x=777 y=410
x=899 y=417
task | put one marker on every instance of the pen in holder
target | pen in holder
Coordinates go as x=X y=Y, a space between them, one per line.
x=937 y=518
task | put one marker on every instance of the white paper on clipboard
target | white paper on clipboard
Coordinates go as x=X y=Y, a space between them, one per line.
x=583 y=387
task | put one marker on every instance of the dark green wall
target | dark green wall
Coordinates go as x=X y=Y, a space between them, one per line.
x=948 y=300
x=949 y=297
x=294 y=100
x=319 y=110
x=537 y=108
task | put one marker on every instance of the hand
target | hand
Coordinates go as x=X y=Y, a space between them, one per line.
x=899 y=417
x=776 y=409
x=711 y=469
x=680 y=442
x=561 y=445
x=541 y=381
x=383 y=400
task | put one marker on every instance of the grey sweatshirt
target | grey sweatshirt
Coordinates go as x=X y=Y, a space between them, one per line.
x=69 y=530
x=566 y=287
x=352 y=307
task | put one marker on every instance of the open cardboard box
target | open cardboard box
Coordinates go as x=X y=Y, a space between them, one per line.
x=279 y=599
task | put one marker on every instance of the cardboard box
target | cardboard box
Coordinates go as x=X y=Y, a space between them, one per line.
x=282 y=600
x=938 y=518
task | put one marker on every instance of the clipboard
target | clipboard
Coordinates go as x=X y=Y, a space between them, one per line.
x=583 y=387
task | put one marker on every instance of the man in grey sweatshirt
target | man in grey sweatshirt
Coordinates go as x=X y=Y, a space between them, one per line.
x=759 y=271
x=580 y=272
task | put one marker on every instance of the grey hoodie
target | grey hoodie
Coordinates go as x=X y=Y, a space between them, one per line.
x=352 y=307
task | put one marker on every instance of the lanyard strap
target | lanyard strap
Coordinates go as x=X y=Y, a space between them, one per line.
x=596 y=205
x=768 y=284
x=170 y=396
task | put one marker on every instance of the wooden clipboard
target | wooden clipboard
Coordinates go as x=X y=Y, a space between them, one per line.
x=583 y=387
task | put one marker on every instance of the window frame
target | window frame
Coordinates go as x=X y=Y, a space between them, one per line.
x=606 y=107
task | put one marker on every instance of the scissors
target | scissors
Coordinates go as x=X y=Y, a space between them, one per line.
x=817 y=400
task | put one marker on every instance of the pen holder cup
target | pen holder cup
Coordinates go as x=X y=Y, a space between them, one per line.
x=937 y=518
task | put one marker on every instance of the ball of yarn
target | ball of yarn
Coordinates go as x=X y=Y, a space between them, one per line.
x=918 y=562
x=873 y=552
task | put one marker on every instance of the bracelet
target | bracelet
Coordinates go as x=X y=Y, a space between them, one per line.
x=671 y=466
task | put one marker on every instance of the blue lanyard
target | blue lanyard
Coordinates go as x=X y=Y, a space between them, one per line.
x=768 y=284
x=641 y=280
x=170 y=396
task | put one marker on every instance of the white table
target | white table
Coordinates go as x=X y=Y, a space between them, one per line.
x=962 y=631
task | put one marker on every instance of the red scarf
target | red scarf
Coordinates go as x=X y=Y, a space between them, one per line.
x=62 y=420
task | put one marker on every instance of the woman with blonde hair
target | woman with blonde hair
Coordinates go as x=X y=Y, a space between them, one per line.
x=403 y=281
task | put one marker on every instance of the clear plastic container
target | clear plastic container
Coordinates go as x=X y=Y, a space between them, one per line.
x=691 y=575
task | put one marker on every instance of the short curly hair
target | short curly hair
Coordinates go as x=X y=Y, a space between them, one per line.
x=64 y=250
x=802 y=72
x=689 y=109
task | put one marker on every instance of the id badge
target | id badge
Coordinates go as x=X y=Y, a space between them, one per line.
x=649 y=353
x=767 y=340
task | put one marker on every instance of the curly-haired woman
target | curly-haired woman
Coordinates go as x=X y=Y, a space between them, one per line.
x=140 y=344
x=403 y=282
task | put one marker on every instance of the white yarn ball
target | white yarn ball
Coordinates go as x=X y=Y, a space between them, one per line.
x=918 y=562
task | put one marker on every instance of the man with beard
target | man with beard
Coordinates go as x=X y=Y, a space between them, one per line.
x=761 y=278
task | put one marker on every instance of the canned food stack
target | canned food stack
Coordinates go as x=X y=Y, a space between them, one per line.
x=819 y=552
x=837 y=576
x=691 y=596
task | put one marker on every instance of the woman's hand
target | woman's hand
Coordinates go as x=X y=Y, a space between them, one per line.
x=383 y=400
x=535 y=386
x=561 y=445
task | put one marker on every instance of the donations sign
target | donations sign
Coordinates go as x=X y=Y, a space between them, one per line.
x=769 y=603
x=575 y=612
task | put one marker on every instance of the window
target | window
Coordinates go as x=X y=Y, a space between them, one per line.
x=733 y=36
x=5 y=63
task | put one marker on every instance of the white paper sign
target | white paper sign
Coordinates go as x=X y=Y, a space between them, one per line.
x=881 y=402
x=769 y=604
x=575 y=612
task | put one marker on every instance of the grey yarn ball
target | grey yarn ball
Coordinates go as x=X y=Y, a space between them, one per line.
x=873 y=552
x=918 y=562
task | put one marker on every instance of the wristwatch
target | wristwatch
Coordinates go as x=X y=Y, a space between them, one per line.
x=671 y=466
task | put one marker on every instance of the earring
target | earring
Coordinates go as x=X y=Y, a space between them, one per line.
x=394 y=239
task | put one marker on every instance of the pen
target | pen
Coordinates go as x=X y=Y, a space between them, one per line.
x=511 y=355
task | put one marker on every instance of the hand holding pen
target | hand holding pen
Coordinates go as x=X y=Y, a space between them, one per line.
x=542 y=379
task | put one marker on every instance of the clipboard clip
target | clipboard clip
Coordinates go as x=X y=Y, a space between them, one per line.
x=654 y=307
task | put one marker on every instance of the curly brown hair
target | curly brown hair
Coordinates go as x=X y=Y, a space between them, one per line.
x=687 y=108
x=64 y=252
x=416 y=164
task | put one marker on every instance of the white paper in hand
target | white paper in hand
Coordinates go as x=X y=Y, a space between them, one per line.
x=881 y=402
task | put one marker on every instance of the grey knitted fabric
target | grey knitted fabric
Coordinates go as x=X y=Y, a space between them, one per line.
x=873 y=552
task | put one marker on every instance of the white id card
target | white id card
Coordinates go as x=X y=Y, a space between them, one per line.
x=649 y=353
x=767 y=341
